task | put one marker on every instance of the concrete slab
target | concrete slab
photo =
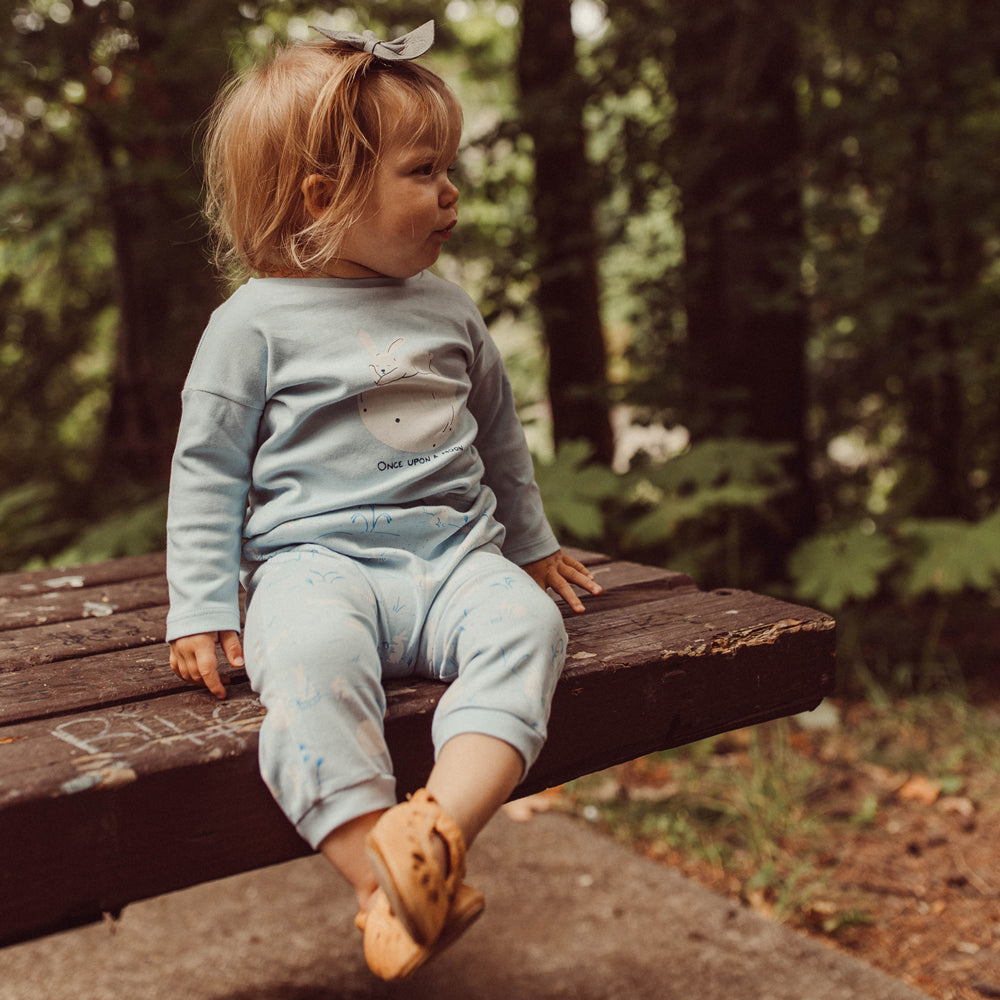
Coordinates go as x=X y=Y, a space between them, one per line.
x=570 y=915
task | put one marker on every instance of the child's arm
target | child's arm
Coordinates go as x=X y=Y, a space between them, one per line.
x=210 y=480
x=558 y=571
x=192 y=658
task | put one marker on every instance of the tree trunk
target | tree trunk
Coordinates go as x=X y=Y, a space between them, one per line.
x=165 y=285
x=935 y=446
x=739 y=147
x=165 y=294
x=552 y=97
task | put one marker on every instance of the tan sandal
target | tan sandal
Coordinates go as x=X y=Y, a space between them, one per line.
x=392 y=954
x=401 y=851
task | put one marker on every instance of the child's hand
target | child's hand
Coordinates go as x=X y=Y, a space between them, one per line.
x=192 y=658
x=558 y=571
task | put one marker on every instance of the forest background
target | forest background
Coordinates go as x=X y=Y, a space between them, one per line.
x=743 y=259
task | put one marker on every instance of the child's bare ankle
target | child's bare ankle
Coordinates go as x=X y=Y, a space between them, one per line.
x=366 y=896
x=440 y=847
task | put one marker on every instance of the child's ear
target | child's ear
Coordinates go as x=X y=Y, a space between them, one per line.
x=316 y=190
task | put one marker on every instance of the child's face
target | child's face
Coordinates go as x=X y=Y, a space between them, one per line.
x=409 y=217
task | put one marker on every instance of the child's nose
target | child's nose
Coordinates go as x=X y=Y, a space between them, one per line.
x=449 y=194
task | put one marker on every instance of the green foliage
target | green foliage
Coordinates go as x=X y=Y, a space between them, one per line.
x=32 y=538
x=906 y=597
x=28 y=525
x=710 y=478
x=695 y=512
x=833 y=568
x=135 y=530
x=947 y=556
x=921 y=557
x=575 y=491
x=701 y=511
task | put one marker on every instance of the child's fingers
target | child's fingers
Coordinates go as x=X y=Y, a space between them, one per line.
x=193 y=660
x=577 y=573
x=586 y=580
x=208 y=673
x=562 y=586
x=560 y=571
x=230 y=642
x=183 y=662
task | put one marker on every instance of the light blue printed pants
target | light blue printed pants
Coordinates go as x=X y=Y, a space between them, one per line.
x=324 y=629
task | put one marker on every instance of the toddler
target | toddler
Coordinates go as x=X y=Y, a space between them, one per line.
x=350 y=452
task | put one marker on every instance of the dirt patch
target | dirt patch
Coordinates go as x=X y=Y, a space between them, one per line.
x=877 y=833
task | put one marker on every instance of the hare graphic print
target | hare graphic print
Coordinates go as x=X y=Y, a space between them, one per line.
x=411 y=406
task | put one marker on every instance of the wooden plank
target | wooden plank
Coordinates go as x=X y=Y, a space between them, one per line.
x=628 y=621
x=118 y=782
x=79 y=603
x=629 y=574
x=688 y=623
x=39 y=644
x=89 y=682
x=31 y=584
x=69 y=669
x=603 y=716
x=142 y=798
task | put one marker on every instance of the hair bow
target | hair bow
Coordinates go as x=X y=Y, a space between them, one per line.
x=409 y=46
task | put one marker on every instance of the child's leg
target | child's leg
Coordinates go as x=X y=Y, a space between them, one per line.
x=505 y=639
x=473 y=776
x=500 y=640
x=344 y=848
x=312 y=655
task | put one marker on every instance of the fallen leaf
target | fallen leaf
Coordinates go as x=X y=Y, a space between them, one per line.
x=920 y=789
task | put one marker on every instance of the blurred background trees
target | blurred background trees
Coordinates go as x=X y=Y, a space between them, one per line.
x=760 y=239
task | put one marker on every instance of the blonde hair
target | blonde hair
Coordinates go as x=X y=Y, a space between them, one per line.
x=319 y=108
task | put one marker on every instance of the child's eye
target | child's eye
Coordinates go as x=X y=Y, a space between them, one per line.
x=425 y=169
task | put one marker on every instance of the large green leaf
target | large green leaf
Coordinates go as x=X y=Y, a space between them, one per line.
x=834 y=568
x=711 y=476
x=952 y=555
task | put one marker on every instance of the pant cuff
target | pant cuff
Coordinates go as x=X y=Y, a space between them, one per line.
x=343 y=806
x=522 y=736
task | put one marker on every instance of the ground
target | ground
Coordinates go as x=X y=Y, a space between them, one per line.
x=869 y=825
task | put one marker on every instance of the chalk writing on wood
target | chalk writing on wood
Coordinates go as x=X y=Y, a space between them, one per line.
x=110 y=744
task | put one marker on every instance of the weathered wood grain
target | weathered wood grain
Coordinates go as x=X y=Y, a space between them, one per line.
x=40 y=644
x=87 y=682
x=129 y=568
x=118 y=782
x=66 y=605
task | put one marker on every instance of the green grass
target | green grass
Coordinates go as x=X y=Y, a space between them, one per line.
x=764 y=814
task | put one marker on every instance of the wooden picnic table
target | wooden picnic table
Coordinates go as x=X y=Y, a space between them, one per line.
x=118 y=782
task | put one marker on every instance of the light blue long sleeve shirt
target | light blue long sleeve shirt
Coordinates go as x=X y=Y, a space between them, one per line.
x=313 y=403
